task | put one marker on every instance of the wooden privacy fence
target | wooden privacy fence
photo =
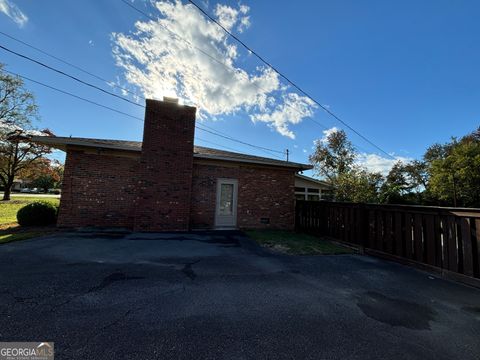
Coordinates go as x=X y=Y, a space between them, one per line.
x=444 y=238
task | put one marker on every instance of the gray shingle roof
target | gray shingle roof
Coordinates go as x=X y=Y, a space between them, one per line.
x=136 y=146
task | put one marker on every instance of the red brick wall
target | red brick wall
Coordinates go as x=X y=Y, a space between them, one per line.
x=162 y=190
x=98 y=190
x=102 y=190
x=262 y=193
x=165 y=170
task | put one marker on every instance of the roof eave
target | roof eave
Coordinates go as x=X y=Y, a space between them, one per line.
x=259 y=162
x=307 y=178
x=62 y=144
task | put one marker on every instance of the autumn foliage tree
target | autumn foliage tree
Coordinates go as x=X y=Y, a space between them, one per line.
x=44 y=174
x=17 y=111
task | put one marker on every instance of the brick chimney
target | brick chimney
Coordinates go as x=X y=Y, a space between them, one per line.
x=166 y=164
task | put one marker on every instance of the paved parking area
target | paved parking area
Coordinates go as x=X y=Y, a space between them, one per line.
x=218 y=296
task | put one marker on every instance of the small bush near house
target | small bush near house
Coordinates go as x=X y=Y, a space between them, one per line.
x=38 y=213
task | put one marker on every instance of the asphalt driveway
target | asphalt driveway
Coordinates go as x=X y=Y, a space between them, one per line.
x=217 y=296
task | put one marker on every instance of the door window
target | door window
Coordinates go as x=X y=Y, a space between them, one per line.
x=226 y=199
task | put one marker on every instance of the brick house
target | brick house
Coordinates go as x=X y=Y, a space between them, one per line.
x=165 y=183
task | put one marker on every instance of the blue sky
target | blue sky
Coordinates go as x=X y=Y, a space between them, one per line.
x=404 y=74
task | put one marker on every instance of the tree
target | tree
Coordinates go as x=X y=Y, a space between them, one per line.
x=417 y=172
x=333 y=156
x=44 y=174
x=455 y=173
x=17 y=110
x=396 y=185
x=334 y=159
x=358 y=185
x=405 y=183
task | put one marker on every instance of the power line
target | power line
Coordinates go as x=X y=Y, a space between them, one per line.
x=270 y=150
x=67 y=63
x=113 y=94
x=256 y=85
x=135 y=117
x=99 y=77
x=220 y=145
x=242 y=142
x=328 y=111
x=129 y=91
x=68 y=75
x=230 y=138
x=117 y=96
x=73 y=95
x=216 y=144
x=229 y=68
x=175 y=34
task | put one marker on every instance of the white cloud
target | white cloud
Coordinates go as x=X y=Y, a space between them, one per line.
x=327 y=133
x=377 y=163
x=13 y=12
x=229 y=17
x=291 y=111
x=161 y=64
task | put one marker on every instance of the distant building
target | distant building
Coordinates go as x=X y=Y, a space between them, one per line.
x=307 y=188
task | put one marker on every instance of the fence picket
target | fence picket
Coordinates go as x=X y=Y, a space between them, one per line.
x=430 y=246
x=447 y=238
x=418 y=237
x=467 y=247
x=408 y=236
x=452 y=244
x=399 y=248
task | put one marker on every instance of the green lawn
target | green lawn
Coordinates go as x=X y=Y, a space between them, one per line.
x=293 y=243
x=8 y=209
x=9 y=229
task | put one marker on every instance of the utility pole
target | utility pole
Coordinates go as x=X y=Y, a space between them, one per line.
x=286 y=153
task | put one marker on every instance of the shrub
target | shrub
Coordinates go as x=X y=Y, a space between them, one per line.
x=38 y=213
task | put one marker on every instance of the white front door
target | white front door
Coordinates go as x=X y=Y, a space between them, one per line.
x=226 y=207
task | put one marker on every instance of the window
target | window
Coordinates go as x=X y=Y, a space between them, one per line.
x=313 y=194
x=302 y=193
x=226 y=199
x=326 y=195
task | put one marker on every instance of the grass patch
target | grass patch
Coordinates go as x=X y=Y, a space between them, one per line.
x=293 y=243
x=9 y=228
x=8 y=209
